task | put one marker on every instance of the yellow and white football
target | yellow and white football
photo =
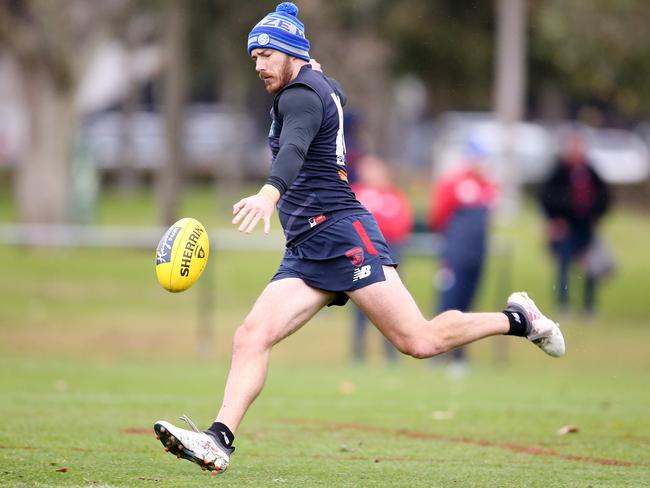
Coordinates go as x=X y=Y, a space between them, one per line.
x=182 y=254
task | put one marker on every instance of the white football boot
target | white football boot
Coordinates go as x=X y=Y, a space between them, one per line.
x=194 y=445
x=541 y=331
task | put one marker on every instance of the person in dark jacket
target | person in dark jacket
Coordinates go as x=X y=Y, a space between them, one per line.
x=574 y=199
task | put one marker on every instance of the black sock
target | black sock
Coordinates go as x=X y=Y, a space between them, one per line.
x=518 y=322
x=222 y=433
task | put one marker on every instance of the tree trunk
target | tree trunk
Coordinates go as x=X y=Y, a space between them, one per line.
x=509 y=95
x=169 y=181
x=42 y=180
x=128 y=180
x=229 y=170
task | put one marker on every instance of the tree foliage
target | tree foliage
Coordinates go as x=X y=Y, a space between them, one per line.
x=50 y=43
x=597 y=49
x=449 y=44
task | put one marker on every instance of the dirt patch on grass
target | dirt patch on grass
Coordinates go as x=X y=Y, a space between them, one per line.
x=518 y=448
x=137 y=431
x=29 y=448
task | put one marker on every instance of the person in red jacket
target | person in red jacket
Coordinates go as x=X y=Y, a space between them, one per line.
x=394 y=215
x=459 y=210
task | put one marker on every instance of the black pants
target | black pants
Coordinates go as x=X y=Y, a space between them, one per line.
x=567 y=251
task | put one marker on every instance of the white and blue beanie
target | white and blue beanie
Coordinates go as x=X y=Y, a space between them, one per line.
x=281 y=30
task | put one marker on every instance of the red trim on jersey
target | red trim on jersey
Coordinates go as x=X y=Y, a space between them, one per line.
x=358 y=226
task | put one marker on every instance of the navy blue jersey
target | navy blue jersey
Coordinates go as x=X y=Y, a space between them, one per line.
x=320 y=194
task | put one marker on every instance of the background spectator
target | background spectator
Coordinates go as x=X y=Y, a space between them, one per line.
x=459 y=210
x=574 y=199
x=394 y=215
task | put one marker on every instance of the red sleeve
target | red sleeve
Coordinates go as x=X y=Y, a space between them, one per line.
x=490 y=192
x=442 y=204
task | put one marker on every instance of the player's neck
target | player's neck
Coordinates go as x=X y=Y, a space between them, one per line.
x=296 y=66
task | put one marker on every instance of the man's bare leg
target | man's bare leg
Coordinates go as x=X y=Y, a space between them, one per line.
x=282 y=308
x=390 y=306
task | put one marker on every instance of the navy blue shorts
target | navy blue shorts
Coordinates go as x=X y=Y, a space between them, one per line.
x=345 y=256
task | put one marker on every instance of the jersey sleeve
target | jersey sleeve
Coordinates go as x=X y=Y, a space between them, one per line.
x=441 y=205
x=301 y=110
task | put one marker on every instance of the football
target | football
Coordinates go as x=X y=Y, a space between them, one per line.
x=182 y=254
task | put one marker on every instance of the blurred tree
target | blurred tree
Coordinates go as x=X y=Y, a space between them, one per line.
x=446 y=43
x=222 y=72
x=509 y=96
x=129 y=31
x=50 y=43
x=174 y=100
x=587 y=50
x=346 y=41
x=597 y=50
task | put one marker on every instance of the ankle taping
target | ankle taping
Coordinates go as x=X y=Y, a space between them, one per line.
x=519 y=324
x=222 y=433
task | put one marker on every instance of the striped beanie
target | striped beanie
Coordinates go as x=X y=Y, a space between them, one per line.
x=281 y=30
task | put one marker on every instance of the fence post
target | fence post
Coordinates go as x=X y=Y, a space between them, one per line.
x=205 y=332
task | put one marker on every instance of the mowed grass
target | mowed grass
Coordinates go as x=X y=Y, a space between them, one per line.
x=89 y=423
x=93 y=351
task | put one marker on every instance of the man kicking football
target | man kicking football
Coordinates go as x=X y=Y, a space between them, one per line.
x=334 y=249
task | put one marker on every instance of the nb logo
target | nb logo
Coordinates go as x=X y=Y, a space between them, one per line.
x=517 y=318
x=361 y=273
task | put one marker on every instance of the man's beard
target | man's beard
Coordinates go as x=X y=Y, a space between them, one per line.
x=284 y=77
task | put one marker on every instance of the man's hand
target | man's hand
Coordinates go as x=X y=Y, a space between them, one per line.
x=251 y=209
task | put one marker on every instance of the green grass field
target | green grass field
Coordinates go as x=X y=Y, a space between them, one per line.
x=93 y=351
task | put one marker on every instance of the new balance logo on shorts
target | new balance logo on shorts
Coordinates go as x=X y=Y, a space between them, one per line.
x=361 y=273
